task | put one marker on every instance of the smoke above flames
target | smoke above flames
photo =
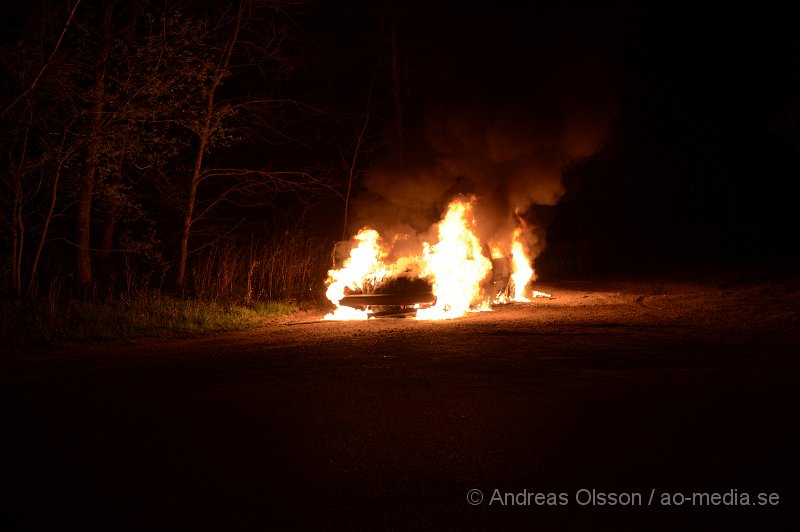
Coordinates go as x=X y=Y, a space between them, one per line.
x=511 y=157
x=520 y=102
x=500 y=134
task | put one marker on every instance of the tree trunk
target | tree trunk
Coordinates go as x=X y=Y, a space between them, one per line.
x=18 y=234
x=204 y=134
x=83 y=242
x=110 y=225
x=188 y=217
x=17 y=221
x=46 y=227
x=112 y=214
x=86 y=189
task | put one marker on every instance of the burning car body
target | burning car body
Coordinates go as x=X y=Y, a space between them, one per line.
x=444 y=280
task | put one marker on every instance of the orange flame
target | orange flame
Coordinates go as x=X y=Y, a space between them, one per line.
x=456 y=265
x=364 y=267
x=521 y=268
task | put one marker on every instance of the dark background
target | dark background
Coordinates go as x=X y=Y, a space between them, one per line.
x=697 y=166
x=703 y=150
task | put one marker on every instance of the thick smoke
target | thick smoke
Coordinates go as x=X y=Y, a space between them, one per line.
x=508 y=148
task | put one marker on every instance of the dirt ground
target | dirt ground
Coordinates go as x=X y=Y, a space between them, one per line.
x=661 y=387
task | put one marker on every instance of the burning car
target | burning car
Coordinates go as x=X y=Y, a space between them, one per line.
x=404 y=296
x=398 y=297
x=444 y=280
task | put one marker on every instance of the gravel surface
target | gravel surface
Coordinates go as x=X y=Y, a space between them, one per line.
x=656 y=387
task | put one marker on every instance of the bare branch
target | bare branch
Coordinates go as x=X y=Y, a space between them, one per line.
x=46 y=64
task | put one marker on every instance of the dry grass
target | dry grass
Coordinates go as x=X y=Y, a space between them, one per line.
x=291 y=269
x=42 y=322
x=229 y=287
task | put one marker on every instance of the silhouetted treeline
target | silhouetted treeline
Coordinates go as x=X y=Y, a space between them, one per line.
x=143 y=141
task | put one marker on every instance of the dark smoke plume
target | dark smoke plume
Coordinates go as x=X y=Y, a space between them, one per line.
x=508 y=146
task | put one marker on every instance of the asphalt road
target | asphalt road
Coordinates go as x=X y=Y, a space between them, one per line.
x=651 y=391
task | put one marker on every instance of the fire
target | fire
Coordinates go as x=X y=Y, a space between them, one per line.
x=364 y=267
x=521 y=267
x=455 y=266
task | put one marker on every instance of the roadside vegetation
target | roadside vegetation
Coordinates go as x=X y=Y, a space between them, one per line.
x=146 y=314
x=165 y=169
x=228 y=288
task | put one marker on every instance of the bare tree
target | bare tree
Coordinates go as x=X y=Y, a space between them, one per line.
x=213 y=114
x=92 y=153
x=142 y=105
x=32 y=86
x=27 y=127
x=61 y=158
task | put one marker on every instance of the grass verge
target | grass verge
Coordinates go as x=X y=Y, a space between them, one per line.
x=147 y=314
